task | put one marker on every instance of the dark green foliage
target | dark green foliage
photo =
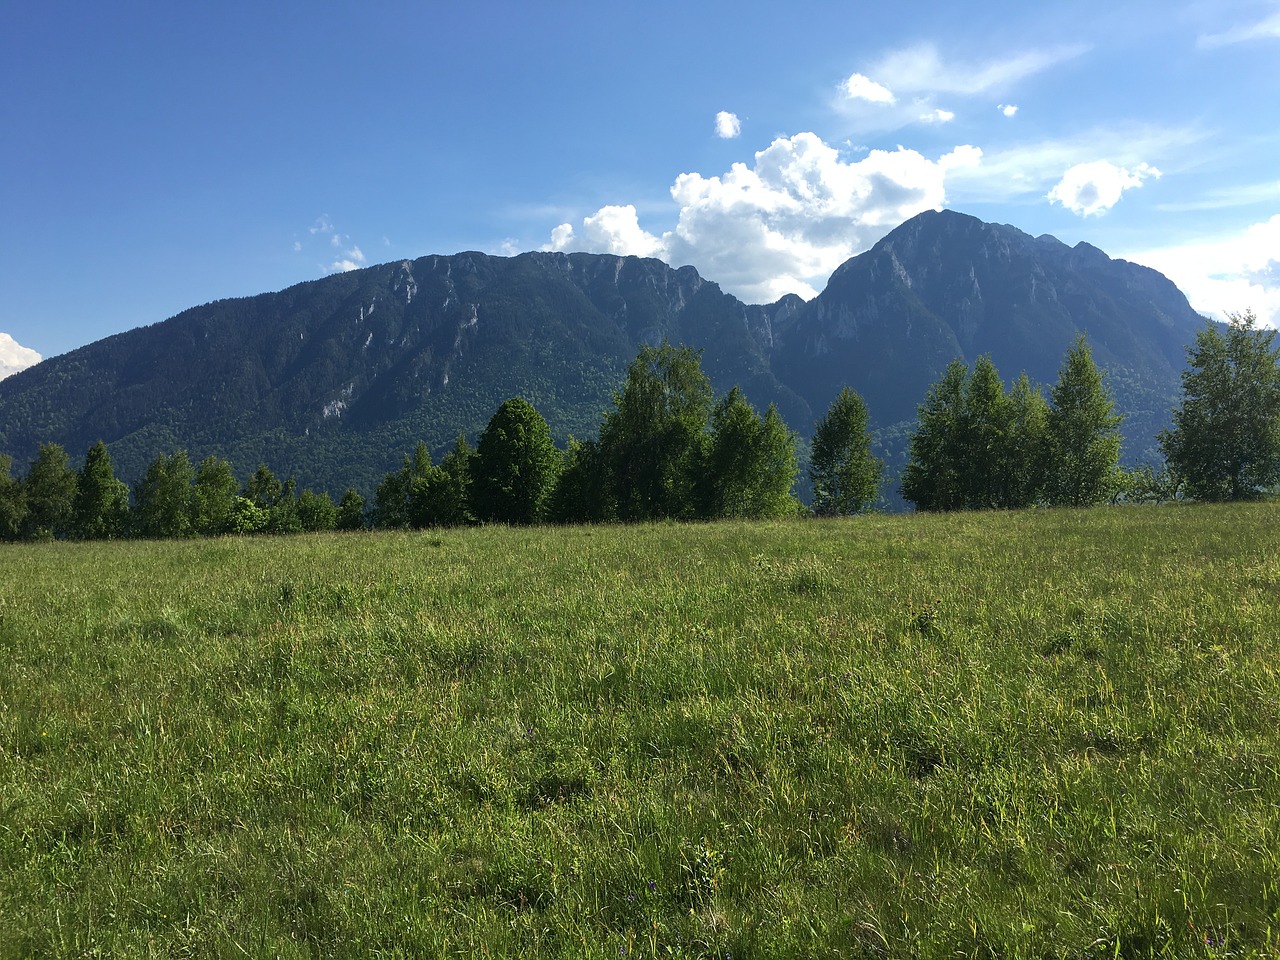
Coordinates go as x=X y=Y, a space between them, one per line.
x=751 y=462
x=282 y=515
x=163 y=498
x=316 y=511
x=391 y=500
x=214 y=497
x=13 y=504
x=582 y=493
x=1083 y=433
x=263 y=489
x=101 y=507
x=934 y=477
x=652 y=441
x=977 y=447
x=351 y=511
x=441 y=497
x=1225 y=440
x=515 y=466
x=845 y=475
x=1025 y=445
x=50 y=491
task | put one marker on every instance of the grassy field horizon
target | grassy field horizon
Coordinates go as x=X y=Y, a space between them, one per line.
x=1048 y=733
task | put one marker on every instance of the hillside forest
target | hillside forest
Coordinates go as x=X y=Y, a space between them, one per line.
x=669 y=449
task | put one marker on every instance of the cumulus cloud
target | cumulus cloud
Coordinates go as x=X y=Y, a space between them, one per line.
x=859 y=87
x=1228 y=274
x=784 y=224
x=728 y=125
x=14 y=356
x=1008 y=109
x=1090 y=189
x=938 y=116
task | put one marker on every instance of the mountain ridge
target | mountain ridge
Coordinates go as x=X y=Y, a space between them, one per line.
x=333 y=379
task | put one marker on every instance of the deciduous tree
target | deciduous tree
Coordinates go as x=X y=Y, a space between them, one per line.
x=652 y=441
x=845 y=474
x=1225 y=440
x=515 y=466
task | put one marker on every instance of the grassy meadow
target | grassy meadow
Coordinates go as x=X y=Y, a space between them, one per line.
x=1038 y=734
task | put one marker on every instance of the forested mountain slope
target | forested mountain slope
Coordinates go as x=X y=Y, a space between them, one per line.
x=334 y=380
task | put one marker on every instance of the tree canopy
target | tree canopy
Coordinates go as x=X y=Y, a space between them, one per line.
x=1225 y=439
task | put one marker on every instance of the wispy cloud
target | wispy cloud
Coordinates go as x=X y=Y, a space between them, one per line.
x=922 y=69
x=349 y=256
x=1265 y=29
x=1030 y=169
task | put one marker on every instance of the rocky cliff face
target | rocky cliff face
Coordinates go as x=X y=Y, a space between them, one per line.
x=334 y=379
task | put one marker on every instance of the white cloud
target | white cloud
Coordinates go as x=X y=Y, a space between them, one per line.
x=1266 y=29
x=344 y=266
x=728 y=125
x=14 y=356
x=783 y=225
x=1228 y=274
x=938 y=116
x=1030 y=169
x=921 y=69
x=1089 y=189
x=1008 y=109
x=859 y=87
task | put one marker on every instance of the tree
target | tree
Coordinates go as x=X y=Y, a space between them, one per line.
x=933 y=477
x=652 y=442
x=441 y=497
x=316 y=511
x=101 y=506
x=13 y=504
x=976 y=446
x=391 y=499
x=1083 y=433
x=1225 y=440
x=845 y=475
x=515 y=466
x=162 y=498
x=582 y=493
x=750 y=464
x=1025 y=446
x=351 y=511
x=214 y=497
x=50 y=491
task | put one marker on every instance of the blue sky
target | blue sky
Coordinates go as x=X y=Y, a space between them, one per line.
x=158 y=155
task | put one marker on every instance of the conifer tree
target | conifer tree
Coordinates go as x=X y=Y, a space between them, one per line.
x=101 y=506
x=1083 y=433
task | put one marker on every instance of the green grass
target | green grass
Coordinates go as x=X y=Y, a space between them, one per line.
x=1042 y=734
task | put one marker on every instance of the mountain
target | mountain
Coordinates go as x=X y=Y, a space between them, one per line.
x=335 y=379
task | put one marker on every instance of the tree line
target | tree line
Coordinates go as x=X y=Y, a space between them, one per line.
x=669 y=449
